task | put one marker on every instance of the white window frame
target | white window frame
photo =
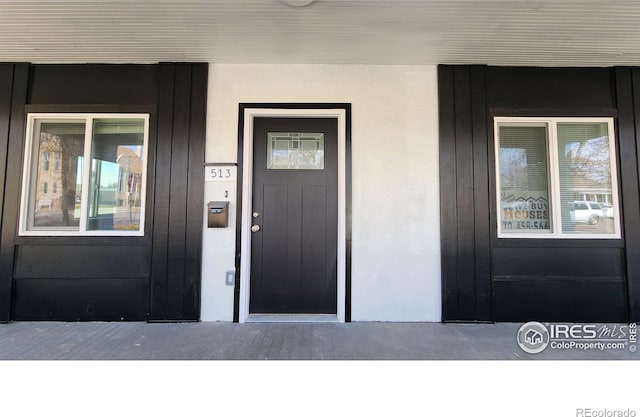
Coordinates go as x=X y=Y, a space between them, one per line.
x=555 y=215
x=28 y=180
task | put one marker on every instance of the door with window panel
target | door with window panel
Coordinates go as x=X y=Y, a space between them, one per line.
x=295 y=216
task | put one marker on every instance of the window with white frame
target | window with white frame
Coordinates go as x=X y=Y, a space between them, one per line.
x=556 y=178
x=91 y=152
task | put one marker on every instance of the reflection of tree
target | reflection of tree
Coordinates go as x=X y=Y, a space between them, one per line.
x=513 y=164
x=130 y=165
x=523 y=158
x=71 y=149
x=523 y=169
x=584 y=164
x=588 y=161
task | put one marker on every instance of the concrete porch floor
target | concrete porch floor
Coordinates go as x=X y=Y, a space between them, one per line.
x=274 y=341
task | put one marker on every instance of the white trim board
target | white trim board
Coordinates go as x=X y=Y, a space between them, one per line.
x=247 y=186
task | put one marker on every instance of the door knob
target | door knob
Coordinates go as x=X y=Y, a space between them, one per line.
x=255 y=228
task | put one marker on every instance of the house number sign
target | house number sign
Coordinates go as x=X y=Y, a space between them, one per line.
x=220 y=173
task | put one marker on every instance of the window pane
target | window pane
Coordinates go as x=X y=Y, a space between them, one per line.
x=524 y=184
x=585 y=178
x=52 y=209
x=115 y=195
x=295 y=150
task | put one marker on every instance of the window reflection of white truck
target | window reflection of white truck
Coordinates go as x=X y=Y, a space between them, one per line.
x=607 y=210
x=589 y=212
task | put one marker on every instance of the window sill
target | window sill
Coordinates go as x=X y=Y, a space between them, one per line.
x=559 y=242
x=87 y=240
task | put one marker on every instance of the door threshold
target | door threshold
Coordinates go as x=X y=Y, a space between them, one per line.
x=292 y=318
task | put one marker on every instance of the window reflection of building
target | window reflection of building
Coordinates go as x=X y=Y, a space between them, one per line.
x=49 y=144
x=56 y=184
x=115 y=196
x=45 y=161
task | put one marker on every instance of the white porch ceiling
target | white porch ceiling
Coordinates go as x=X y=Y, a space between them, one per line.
x=499 y=32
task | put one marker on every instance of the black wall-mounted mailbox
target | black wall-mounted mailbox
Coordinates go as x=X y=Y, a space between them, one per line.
x=218 y=213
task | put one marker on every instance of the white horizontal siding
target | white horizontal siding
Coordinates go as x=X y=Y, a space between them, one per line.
x=546 y=33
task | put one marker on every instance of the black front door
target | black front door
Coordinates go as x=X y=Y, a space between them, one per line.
x=295 y=216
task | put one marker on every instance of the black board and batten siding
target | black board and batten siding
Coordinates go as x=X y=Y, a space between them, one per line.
x=489 y=279
x=153 y=277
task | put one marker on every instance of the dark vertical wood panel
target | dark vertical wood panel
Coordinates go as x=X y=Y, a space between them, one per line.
x=448 y=202
x=195 y=191
x=481 y=195
x=178 y=198
x=535 y=88
x=10 y=209
x=628 y=96
x=159 y=277
x=570 y=283
x=114 y=299
x=464 y=194
x=558 y=261
x=174 y=226
x=177 y=241
x=81 y=261
x=567 y=299
x=548 y=279
x=6 y=89
x=467 y=96
x=83 y=264
x=93 y=84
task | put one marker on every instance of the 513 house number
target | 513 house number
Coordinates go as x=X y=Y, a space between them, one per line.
x=224 y=173
x=220 y=173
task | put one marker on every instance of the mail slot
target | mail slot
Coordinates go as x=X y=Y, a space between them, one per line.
x=218 y=213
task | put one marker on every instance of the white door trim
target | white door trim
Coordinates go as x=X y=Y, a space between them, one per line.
x=247 y=188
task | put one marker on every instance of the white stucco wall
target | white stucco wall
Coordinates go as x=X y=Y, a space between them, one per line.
x=396 y=228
